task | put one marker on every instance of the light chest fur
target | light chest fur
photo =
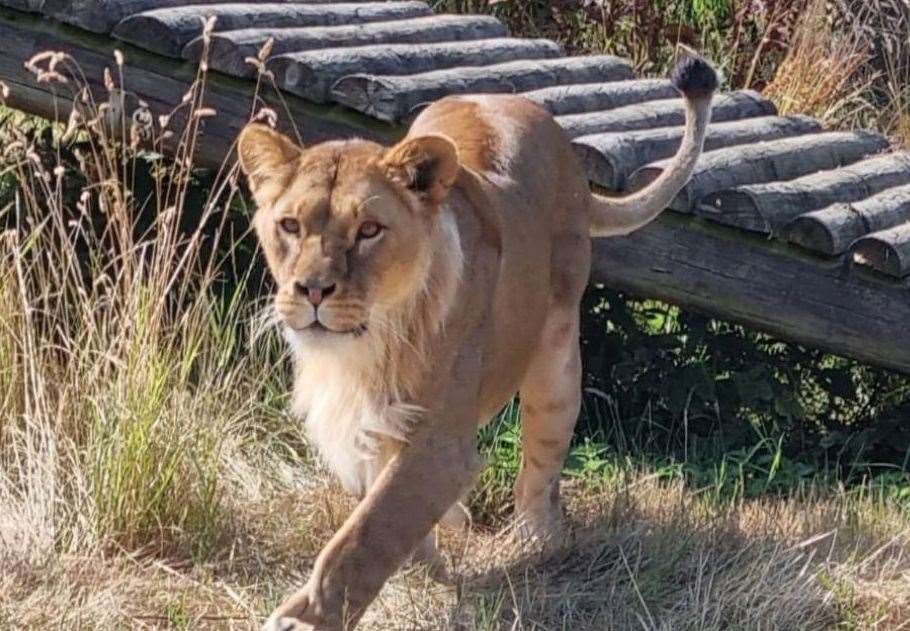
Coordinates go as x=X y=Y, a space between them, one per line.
x=355 y=393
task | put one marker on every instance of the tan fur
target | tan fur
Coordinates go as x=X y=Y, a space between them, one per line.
x=468 y=295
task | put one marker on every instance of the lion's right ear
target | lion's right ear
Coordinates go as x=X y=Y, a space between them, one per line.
x=265 y=157
x=427 y=166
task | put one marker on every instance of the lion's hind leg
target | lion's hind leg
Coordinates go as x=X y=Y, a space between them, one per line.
x=550 y=402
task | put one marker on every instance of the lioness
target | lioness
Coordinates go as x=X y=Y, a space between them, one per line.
x=420 y=287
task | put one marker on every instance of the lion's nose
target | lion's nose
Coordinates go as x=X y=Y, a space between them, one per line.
x=315 y=292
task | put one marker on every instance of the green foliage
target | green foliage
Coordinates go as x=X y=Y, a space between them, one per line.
x=746 y=40
x=733 y=412
x=500 y=443
x=680 y=384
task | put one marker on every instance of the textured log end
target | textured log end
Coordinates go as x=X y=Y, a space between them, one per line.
x=694 y=78
x=733 y=208
x=598 y=166
x=224 y=56
x=365 y=94
x=642 y=177
x=145 y=31
x=193 y=50
x=880 y=255
x=299 y=78
x=811 y=234
x=97 y=17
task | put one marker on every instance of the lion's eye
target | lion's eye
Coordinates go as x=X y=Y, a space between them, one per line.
x=368 y=230
x=290 y=225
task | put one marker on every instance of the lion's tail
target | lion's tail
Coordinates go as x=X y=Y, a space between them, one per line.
x=697 y=81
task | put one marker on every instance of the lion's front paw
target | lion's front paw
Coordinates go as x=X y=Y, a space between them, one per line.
x=285 y=623
x=298 y=613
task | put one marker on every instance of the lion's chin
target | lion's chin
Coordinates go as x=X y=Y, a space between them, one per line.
x=319 y=337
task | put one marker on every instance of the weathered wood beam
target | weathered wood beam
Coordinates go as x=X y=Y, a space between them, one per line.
x=161 y=83
x=590 y=97
x=395 y=98
x=167 y=31
x=833 y=229
x=766 y=285
x=664 y=113
x=100 y=16
x=887 y=251
x=610 y=158
x=311 y=74
x=783 y=159
x=684 y=260
x=30 y=6
x=770 y=207
x=228 y=49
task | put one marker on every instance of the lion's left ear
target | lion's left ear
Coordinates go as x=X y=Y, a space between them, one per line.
x=427 y=165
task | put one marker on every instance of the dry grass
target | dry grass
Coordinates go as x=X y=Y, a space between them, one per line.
x=149 y=477
x=824 y=73
x=853 y=72
x=641 y=554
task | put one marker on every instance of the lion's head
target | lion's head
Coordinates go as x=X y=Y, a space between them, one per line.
x=346 y=227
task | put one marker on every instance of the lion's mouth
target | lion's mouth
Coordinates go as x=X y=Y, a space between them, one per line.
x=318 y=328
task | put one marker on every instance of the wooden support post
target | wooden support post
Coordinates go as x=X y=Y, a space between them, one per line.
x=765 y=285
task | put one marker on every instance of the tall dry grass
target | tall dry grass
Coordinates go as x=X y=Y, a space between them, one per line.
x=848 y=64
x=824 y=73
x=135 y=412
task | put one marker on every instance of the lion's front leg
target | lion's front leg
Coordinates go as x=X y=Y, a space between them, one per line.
x=410 y=496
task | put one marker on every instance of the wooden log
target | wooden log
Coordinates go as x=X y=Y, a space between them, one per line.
x=101 y=16
x=162 y=83
x=771 y=286
x=228 y=49
x=886 y=251
x=776 y=160
x=610 y=158
x=167 y=31
x=31 y=6
x=311 y=74
x=762 y=284
x=395 y=98
x=665 y=113
x=769 y=207
x=832 y=230
x=589 y=97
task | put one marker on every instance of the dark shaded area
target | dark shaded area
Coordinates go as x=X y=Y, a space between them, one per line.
x=667 y=383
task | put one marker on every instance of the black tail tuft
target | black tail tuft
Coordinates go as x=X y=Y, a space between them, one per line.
x=694 y=77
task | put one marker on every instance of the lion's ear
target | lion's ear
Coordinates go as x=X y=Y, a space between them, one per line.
x=427 y=166
x=265 y=157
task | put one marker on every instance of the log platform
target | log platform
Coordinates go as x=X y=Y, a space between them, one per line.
x=785 y=227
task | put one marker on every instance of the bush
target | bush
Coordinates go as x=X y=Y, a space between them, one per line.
x=678 y=384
